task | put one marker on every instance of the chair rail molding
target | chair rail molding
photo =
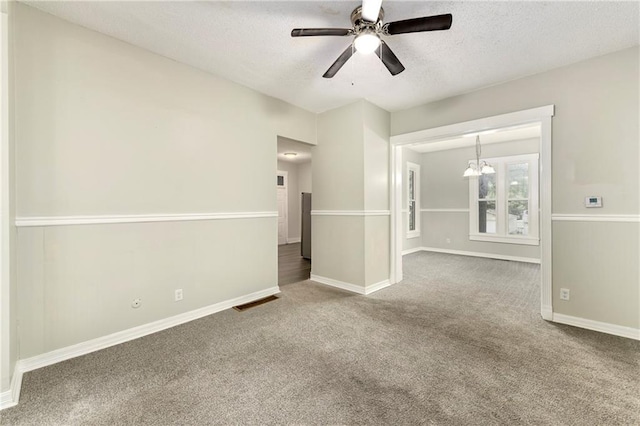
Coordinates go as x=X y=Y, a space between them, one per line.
x=629 y=218
x=135 y=218
x=350 y=212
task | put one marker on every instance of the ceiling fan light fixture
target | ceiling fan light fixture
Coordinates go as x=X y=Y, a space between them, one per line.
x=367 y=42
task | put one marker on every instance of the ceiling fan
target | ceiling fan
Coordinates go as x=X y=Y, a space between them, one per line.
x=368 y=30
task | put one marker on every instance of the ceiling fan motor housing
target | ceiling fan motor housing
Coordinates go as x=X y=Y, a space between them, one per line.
x=360 y=24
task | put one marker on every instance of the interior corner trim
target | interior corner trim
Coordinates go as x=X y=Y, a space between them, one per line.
x=595 y=217
x=111 y=219
x=350 y=212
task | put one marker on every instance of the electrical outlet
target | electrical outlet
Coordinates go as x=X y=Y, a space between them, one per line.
x=178 y=294
x=136 y=303
x=448 y=240
x=564 y=294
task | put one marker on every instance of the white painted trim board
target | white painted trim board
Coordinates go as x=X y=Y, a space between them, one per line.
x=350 y=287
x=412 y=250
x=602 y=327
x=133 y=218
x=473 y=254
x=444 y=210
x=629 y=218
x=350 y=212
x=11 y=397
x=479 y=125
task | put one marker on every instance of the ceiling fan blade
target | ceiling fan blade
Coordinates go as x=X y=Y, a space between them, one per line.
x=416 y=25
x=389 y=59
x=308 y=32
x=342 y=59
x=371 y=10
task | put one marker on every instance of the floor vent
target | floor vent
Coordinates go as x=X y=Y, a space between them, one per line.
x=254 y=303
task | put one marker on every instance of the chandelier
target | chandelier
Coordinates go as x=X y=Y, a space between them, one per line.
x=479 y=167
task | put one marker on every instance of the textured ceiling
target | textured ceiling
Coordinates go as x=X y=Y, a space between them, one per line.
x=250 y=43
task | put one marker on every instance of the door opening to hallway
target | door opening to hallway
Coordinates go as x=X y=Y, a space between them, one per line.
x=294 y=211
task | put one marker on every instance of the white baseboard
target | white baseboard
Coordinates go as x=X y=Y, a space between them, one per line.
x=413 y=250
x=546 y=312
x=350 y=287
x=603 y=327
x=338 y=284
x=293 y=240
x=478 y=254
x=10 y=398
x=6 y=400
x=377 y=286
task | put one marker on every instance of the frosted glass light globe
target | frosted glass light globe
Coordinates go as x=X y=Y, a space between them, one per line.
x=367 y=43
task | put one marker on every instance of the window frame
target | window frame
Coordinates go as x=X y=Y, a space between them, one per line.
x=502 y=235
x=413 y=233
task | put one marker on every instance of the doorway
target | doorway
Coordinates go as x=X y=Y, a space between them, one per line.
x=294 y=190
x=537 y=116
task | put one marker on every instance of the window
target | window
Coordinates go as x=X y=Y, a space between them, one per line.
x=503 y=207
x=413 y=200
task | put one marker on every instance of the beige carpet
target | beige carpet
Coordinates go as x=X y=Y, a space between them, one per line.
x=459 y=341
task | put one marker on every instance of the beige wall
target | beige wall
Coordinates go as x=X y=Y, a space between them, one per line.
x=338 y=160
x=293 y=198
x=8 y=280
x=338 y=185
x=376 y=123
x=350 y=173
x=105 y=128
x=595 y=152
x=304 y=177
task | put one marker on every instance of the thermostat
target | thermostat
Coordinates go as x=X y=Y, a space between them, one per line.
x=593 y=201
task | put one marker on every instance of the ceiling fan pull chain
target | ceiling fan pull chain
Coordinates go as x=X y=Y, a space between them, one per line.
x=352 y=66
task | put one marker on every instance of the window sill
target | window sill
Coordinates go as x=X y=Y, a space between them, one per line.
x=413 y=234
x=527 y=241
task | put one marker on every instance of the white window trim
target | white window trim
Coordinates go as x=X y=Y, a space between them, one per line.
x=416 y=186
x=501 y=235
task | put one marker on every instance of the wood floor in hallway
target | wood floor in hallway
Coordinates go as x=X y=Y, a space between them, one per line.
x=292 y=267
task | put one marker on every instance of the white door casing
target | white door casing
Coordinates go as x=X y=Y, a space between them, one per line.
x=283 y=207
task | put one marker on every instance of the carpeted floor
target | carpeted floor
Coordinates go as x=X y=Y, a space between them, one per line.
x=459 y=341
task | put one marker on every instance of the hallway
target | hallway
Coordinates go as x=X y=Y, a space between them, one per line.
x=292 y=267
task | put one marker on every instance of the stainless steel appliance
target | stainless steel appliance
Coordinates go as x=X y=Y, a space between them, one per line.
x=305 y=233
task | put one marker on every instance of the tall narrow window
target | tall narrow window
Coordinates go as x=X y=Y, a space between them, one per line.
x=518 y=198
x=487 y=204
x=504 y=206
x=413 y=200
